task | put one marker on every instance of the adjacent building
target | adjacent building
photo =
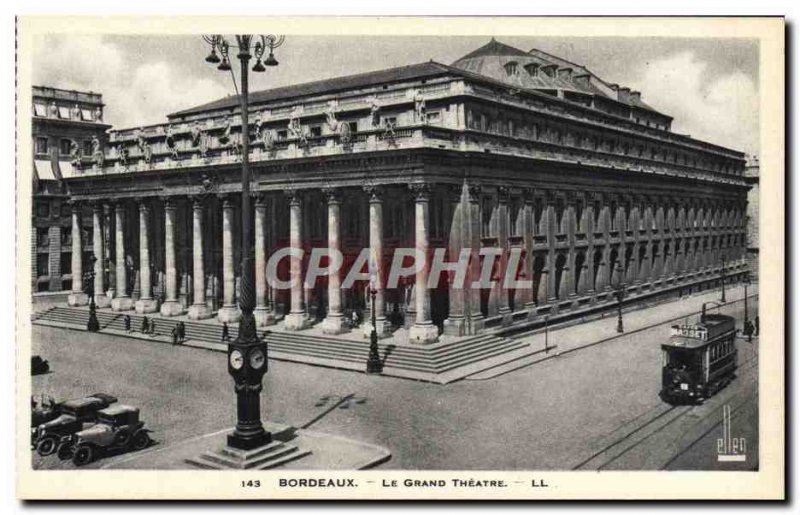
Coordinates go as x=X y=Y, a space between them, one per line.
x=65 y=125
x=503 y=149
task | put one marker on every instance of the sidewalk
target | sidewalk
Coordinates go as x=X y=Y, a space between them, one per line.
x=569 y=336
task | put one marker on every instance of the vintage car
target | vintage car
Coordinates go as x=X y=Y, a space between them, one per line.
x=39 y=365
x=70 y=416
x=117 y=428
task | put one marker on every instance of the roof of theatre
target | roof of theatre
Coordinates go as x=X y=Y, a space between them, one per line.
x=488 y=63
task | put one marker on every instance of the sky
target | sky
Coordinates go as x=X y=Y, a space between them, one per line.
x=709 y=86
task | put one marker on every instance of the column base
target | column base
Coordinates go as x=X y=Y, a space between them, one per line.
x=122 y=303
x=296 y=321
x=102 y=301
x=423 y=333
x=264 y=317
x=455 y=326
x=381 y=327
x=77 y=299
x=171 y=308
x=146 y=306
x=199 y=312
x=334 y=324
x=229 y=313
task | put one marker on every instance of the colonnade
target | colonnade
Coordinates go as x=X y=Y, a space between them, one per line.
x=569 y=248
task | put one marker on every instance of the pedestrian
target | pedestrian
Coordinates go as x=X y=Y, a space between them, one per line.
x=175 y=335
x=181 y=331
x=226 y=337
x=127 y=323
x=757 y=328
x=145 y=325
x=749 y=329
x=153 y=328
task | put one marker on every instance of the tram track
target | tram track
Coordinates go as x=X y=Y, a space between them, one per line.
x=617 y=448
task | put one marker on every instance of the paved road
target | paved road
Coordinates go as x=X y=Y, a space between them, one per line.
x=551 y=415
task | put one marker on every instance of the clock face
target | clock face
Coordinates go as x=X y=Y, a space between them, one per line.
x=236 y=359
x=257 y=359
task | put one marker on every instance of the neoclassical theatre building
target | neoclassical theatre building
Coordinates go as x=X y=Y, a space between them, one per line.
x=502 y=149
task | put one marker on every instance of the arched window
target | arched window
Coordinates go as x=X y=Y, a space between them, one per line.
x=532 y=69
x=511 y=68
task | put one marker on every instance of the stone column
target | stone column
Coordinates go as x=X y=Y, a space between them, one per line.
x=263 y=313
x=77 y=296
x=297 y=318
x=550 y=264
x=101 y=300
x=122 y=301
x=229 y=311
x=111 y=280
x=502 y=227
x=146 y=302
x=199 y=308
x=171 y=306
x=455 y=324
x=423 y=330
x=334 y=322
x=525 y=297
x=472 y=237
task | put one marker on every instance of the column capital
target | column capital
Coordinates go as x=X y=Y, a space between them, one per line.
x=144 y=205
x=294 y=196
x=503 y=194
x=260 y=198
x=169 y=202
x=474 y=191
x=332 y=194
x=421 y=191
x=75 y=206
x=527 y=195
x=375 y=192
x=454 y=192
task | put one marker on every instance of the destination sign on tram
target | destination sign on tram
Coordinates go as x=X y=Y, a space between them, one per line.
x=690 y=331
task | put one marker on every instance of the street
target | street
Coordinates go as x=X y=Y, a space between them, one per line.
x=594 y=408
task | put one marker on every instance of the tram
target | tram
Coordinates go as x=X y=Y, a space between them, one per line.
x=699 y=359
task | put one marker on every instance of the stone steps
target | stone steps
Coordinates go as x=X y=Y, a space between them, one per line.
x=270 y=456
x=427 y=363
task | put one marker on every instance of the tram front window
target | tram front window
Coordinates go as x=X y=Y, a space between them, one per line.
x=682 y=360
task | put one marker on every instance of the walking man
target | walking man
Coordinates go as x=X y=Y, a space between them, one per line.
x=153 y=328
x=757 y=328
x=181 y=331
x=145 y=325
x=226 y=337
x=127 y=324
x=175 y=335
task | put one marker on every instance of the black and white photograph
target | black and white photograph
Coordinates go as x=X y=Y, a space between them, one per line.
x=348 y=265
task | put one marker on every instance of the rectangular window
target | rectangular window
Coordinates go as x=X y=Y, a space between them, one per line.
x=66 y=262
x=43 y=209
x=42 y=236
x=40 y=109
x=41 y=145
x=66 y=235
x=353 y=127
x=87 y=147
x=43 y=264
x=63 y=113
x=282 y=135
x=433 y=117
x=316 y=131
x=63 y=147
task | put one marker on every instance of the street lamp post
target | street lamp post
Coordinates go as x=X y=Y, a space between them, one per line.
x=746 y=317
x=374 y=364
x=93 y=324
x=722 y=273
x=619 y=293
x=247 y=355
x=546 y=321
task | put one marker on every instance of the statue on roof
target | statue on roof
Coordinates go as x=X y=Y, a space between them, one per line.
x=97 y=152
x=171 y=145
x=75 y=153
x=419 y=107
x=226 y=131
x=98 y=114
x=295 y=129
x=53 y=110
x=196 y=134
x=122 y=150
x=375 y=112
x=75 y=112
x=330 y=114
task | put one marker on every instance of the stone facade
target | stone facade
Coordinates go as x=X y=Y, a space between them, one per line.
x=584 y=184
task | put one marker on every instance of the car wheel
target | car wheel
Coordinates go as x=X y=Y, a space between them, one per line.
x=140 y=440
x=46 y=446
x=64 y=451
x=84 y=455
